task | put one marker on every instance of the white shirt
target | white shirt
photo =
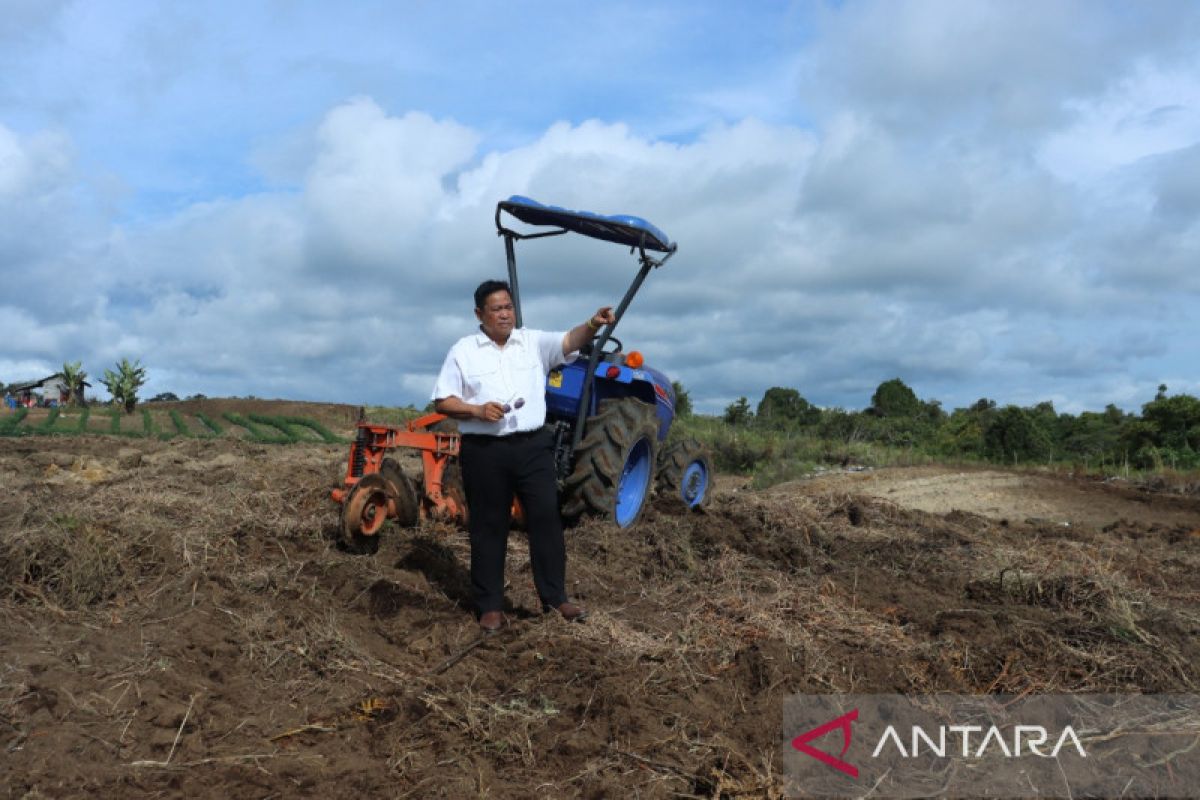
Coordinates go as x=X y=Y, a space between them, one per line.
x=478 y=371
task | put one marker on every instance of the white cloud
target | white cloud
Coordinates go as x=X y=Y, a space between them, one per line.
x=1151 y=112
x=977 y=200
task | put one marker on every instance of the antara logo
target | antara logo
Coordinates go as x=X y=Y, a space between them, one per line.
x=1032 y=736
x=1028 y=739
x=801 y=743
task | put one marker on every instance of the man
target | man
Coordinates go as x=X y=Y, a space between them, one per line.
x=494 y=383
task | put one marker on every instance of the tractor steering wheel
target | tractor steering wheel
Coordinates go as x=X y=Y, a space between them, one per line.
x=612 y=340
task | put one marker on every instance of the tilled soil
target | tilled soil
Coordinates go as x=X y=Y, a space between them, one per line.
x=178 y=620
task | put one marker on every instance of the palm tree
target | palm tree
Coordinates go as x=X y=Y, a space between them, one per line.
x=73 y=378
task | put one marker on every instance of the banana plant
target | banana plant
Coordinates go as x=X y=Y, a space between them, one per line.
x=123 y=384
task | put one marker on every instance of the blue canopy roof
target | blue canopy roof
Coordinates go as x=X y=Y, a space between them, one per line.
x=620 y=228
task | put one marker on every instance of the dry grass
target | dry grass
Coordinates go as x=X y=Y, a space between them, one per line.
x=191 y=613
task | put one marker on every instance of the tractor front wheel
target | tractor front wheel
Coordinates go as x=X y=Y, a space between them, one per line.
x=614 y=463
x=685 y=471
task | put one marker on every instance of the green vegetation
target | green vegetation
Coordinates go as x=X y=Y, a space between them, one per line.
x=51 y=418
x=288 y=425
x=9 y=422
x=683 y=400
x=257 y=433
x=784 y=436
x=180 y=426
x=210 y=423
x=73 y=378
x=258 y=427
x=62 y=422
x=285 y=431
x=787 y=437
x=401 y=415
x=123 y=384
x=150 y=427
x=738 y=413
x=895 y=399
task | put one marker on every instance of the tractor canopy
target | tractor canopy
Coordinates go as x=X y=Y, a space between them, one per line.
x=620 y=228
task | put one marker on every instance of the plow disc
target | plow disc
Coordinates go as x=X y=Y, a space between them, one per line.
x=364 y=512
x=403 y=494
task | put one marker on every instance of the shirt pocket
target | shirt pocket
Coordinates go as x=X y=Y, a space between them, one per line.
x=480 y=380
x=528 y=374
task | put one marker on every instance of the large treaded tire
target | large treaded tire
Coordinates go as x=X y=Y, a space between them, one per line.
x=614 y=464
x=685 y=472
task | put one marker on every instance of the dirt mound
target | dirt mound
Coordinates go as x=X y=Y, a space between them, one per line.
x=178 y=620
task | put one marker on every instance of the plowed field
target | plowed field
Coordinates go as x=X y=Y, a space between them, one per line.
x=177 y=619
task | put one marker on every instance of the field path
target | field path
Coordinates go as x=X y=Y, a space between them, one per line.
x=1013 y=496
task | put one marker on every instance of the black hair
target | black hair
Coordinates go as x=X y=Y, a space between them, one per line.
x=487 y=289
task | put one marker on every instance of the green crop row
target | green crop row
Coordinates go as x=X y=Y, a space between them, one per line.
x=210 y=423
x=148 y=425
x=284 y=430
x=259 y=433
x=8 y=424
x=181 y=427
x=288 y=426
x=51 y=418
x=259 y=427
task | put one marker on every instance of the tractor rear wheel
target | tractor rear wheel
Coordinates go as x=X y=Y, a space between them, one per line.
x=614 y=463
x=685 y=471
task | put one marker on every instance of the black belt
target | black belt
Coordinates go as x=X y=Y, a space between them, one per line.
x=481 y=437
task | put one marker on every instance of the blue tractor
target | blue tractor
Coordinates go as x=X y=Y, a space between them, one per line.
x=610 y=412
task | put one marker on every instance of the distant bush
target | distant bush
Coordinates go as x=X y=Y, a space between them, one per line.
x=894 y=398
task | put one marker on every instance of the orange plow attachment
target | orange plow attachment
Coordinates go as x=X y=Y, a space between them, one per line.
x=375 y=488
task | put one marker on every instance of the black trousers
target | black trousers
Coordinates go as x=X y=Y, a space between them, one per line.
x=494 y=468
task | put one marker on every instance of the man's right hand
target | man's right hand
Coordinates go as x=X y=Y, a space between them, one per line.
x=490 y=412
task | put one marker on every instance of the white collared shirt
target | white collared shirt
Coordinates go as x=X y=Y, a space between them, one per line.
x=477 y=370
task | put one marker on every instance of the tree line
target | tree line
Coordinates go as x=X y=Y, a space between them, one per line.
x=1165 y=434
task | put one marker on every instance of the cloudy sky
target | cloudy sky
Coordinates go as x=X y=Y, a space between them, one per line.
x=295 y=199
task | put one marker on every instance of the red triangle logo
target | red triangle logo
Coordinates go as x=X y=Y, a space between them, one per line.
x=801 y=743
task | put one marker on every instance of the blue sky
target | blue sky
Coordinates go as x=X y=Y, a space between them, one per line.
x=286 y=199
